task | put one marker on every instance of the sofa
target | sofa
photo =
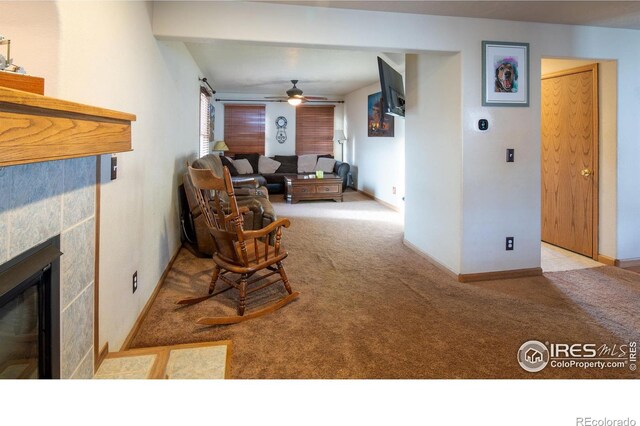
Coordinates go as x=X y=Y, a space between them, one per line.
x=249 y=194
x=274 y=182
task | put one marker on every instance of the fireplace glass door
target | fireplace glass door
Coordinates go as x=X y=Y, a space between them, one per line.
x=30 y=313
x=19 y=333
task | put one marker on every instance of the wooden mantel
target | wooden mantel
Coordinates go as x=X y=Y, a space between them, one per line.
x=36 y=128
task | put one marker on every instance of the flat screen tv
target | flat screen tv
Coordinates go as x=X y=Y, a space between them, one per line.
x=392 y=89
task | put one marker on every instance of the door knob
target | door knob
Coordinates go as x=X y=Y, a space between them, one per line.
x=586 y=172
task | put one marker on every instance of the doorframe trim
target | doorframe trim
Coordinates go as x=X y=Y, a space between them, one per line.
x=595 y=147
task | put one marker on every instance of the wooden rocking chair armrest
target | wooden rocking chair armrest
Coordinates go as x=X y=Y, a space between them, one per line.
x=267 y=229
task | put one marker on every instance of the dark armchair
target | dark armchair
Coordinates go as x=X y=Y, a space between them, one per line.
x=258 y=212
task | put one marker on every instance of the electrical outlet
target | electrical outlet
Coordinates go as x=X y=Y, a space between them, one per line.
x=509 y=244
x=394 y=190
x=135 y=281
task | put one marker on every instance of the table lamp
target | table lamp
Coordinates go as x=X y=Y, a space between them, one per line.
x=220 y=147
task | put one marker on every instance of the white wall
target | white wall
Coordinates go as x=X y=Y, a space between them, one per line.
x=104 y=54
x=109 y=57
x=272 y=111
x=608 y=111
x=433 y=143
x=496 y=203
x=379 y=160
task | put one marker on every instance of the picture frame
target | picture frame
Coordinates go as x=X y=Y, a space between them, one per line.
x=505 y=74
x=212 y=121
x=379 y=124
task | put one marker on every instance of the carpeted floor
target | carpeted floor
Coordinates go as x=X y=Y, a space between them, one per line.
x=372 y=308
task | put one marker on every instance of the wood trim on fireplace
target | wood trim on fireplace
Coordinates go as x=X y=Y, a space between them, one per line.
x=38 y=128
x=97 y=359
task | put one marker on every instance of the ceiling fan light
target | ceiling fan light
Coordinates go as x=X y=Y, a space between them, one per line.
x=294 y=101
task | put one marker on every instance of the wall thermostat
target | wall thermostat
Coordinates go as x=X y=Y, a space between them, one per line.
x=483 y=124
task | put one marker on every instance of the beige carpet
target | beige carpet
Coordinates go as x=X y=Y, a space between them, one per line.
x=372 y=308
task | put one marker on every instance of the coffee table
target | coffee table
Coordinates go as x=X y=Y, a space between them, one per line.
x=309 y=187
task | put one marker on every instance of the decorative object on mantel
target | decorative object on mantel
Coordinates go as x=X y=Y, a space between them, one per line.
x=36 y=128
x=26 y=83
x=220 y=147
x=14 y=77
x=281 y=124
x=6 y=64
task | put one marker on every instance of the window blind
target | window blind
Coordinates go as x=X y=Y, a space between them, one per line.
x=205 y=124
x=314 y=129
x=244 y=128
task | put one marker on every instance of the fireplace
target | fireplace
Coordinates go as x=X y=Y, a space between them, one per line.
x=30 y=314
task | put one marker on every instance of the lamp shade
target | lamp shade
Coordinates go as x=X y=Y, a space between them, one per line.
x=339 y=135
x=220 y=146
x=294 y=101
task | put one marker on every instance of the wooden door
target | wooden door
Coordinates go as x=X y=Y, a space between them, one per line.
x=570 y=159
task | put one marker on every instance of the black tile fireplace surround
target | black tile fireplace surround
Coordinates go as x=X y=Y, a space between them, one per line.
x=30 y=313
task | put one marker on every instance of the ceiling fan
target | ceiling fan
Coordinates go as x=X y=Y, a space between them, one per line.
x=294 y=96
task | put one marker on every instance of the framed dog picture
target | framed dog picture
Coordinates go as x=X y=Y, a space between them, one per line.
x=505 y=73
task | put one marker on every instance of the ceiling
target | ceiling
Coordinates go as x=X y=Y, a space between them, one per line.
x=231 y=66
x=613 y=14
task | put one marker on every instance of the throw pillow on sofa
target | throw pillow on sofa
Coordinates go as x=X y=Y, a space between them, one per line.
x=243 y=166
x=325 y=164
x=226 y=161
x=267 y=166
x=307 y=163
x=253 y=159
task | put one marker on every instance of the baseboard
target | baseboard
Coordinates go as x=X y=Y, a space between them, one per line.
x=147 y=306
x=384 y=203
x=483 y=276
x=101 y=356
x=627 y=263
x=500 y=275
x=430 y=259
x=606 y=260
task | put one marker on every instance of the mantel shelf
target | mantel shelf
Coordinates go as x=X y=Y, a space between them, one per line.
x=36 y=128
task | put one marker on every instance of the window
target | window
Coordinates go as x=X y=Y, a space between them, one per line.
x=314 y=130
x=205 y=122
x=244 y=128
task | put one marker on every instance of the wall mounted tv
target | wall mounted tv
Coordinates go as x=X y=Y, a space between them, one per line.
x=392 y=89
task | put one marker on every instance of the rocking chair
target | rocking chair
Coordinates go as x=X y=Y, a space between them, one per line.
x=236 y=251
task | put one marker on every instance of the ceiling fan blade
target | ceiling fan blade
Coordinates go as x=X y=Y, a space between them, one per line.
x=316 y=98
x=276 y=97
